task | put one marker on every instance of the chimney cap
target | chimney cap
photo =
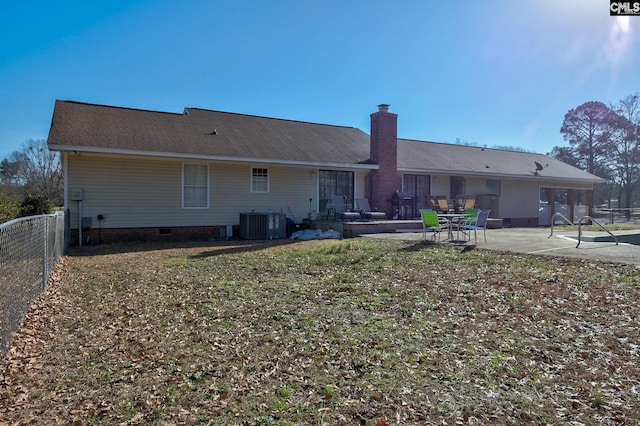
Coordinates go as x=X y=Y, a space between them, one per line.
x=383 y=107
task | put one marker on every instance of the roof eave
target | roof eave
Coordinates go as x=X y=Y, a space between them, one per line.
x=203 y=157
x=500 y=175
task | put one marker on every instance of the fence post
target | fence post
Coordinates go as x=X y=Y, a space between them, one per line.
x=44 y=253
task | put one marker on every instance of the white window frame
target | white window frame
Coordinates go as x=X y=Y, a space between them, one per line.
x=263 y=180
x=196 y=186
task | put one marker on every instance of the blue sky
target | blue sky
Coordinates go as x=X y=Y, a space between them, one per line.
x=492 y=72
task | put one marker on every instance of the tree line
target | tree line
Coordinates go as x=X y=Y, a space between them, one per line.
x=30 y=181
x=605 y=140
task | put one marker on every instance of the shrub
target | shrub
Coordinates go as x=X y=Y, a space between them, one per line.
x=35 y=204
x=9 y=207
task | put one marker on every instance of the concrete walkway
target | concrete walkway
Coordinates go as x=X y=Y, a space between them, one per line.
x=537 y=241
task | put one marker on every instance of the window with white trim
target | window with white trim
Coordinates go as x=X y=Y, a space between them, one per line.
x=259 y=179
x=195 y=186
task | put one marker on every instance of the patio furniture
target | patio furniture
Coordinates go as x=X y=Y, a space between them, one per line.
x=461 y=203
x=469 y=202
x=458 y=203
x=479 y=222
x=443 y=204
x=469 y=217
x=451 y=221
x=430 y=223
x=432 y=203
x=341 y=211
x=362 y=206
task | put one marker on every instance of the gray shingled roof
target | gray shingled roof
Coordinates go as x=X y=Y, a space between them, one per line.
x=436 y=157
x=86 y=127
x=97 y=128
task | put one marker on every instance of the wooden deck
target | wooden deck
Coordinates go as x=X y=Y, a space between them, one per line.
x=355 y=228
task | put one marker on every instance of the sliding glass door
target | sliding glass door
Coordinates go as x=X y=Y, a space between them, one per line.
x=334 y=182
x=419 y=186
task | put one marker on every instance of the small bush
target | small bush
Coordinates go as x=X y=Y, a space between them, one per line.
x=35 y=204
x=9 y=207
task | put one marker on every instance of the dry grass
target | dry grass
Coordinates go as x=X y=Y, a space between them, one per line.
x=326 y=332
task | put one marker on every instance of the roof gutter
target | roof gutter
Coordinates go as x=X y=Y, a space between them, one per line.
x=156 y=154
x=595 y=179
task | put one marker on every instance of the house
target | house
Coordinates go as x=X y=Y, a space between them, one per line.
x=131 y=174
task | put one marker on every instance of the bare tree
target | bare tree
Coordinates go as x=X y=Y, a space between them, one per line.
x=588 y=129
x=565 y=154
x=626 y=149
x=33 y=170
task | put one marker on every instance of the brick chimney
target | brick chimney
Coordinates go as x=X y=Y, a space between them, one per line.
x=382 y=183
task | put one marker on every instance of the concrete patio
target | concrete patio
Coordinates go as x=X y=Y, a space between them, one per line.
x=538 y=241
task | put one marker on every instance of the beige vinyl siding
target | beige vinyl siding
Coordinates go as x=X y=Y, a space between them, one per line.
x=132 y=192
x=289 y=191
x=519 y=199
x=477 y=185
x=440 y=185
x=359 y=178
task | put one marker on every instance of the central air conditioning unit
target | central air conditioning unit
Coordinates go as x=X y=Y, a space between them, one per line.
x=262 y=226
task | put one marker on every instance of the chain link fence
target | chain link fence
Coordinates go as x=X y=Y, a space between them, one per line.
x=29 y=249
x=618 y=215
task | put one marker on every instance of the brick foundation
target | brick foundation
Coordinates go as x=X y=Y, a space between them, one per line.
x=523 y=222
x=169 y=233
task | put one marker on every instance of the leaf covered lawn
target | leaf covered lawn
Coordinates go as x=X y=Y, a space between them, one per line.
x=326 y=332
